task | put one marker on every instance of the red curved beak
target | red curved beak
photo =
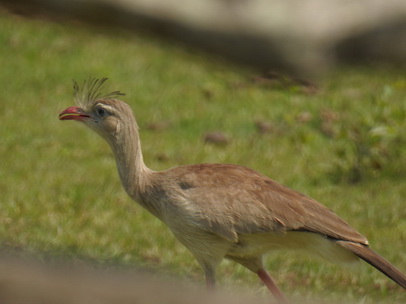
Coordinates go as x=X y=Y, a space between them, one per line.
x=73 y=113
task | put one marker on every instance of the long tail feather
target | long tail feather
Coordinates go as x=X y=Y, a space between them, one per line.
x=374 y=259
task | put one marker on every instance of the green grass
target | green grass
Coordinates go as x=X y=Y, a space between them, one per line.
x=60 y=192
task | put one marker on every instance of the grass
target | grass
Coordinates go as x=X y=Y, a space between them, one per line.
x=60 y=194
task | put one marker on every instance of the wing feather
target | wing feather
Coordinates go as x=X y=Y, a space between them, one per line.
x=229 y=200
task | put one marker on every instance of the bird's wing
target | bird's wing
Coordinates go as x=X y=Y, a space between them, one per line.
x=229 y=200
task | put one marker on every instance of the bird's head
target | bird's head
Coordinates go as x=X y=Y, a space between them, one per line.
x=102 y=113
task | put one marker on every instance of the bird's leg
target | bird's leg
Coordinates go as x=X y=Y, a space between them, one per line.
x=210 y=283
x=277 y=293
x=210 y=275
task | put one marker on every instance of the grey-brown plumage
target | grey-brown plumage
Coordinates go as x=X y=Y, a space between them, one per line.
x=221 y=211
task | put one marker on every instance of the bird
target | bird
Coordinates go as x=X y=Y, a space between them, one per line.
x=221 y=211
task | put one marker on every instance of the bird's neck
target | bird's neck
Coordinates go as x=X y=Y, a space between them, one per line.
x=131 y=168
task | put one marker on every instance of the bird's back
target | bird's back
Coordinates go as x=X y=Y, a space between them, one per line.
x=230 y=200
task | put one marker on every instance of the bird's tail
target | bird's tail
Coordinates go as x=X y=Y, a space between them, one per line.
x=371 y=257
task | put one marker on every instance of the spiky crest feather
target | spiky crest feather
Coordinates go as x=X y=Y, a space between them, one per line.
x=86 y=95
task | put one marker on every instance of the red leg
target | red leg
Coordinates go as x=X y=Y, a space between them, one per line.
x=210 y=275
x=210 y=283
x=277 y=293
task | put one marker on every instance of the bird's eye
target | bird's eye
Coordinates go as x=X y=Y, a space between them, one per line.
x=101 y=112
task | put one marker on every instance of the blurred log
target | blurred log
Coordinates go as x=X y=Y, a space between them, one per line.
x=303 y=38
x=32 y=282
